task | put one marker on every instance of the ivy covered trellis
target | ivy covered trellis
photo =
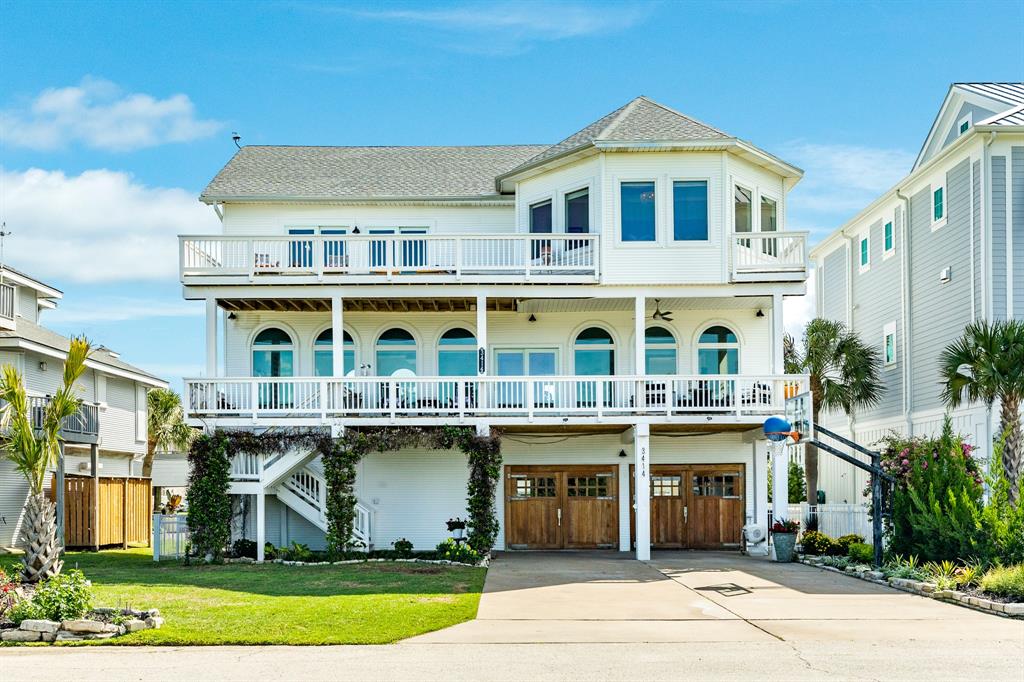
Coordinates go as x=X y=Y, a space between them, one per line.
x=211 y=531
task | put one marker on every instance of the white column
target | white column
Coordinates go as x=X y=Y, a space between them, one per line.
x=778 y=331
x=639 y=342
x=761 y=473
x=211 y=337
x=625 y=505
x=780 y=483
x=642 y=485
x=261 y=524
x=338 y=331
x=482 y=361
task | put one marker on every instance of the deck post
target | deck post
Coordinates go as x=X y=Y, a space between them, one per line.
x=642 y=486
x=338 y=331
x=780 y=483
x=211 y=337
x=481 y=349
x=639 y=320
x=94 y=513
x=261 y=524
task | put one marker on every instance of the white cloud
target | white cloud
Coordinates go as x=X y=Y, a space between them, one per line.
x=512 y=28
x=839 y=180
x=100 y=226
x=97 y=114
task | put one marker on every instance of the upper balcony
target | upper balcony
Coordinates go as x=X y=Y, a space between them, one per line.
x=8 y=292
x=375 y=259
x=83 y=427
x=454 y=258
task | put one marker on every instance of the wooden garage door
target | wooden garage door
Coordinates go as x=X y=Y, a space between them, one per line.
x=561 y=507
x=694 y=506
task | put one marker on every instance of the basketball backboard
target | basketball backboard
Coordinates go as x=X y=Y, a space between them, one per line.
x=800 y=415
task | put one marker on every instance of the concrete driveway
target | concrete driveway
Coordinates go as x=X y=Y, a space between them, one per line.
x=703 y=597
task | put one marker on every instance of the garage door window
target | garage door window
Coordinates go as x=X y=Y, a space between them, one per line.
x=665 y=486
x=587 y=486
x=716 y=485
x=535 y=486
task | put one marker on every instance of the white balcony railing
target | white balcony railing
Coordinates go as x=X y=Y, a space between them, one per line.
x=7 y=293
x=530 y=397
x=769 y=255
x=392 y=256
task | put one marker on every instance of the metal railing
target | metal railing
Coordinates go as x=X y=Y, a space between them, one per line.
x=769 y=253
x=391 y=255
x=533 y=396
x=84 y=423
x=170 y=536
x=7 y=298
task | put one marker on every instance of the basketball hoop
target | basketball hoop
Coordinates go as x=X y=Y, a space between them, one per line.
x=779 y=436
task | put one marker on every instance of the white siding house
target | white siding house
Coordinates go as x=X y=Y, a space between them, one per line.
x=941 y=249
x=612 y=303
x=113 y=417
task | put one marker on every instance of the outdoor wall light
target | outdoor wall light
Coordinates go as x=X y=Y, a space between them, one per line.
x=232 y=316
x=622 y=453
x=760 y=313
x=531 y=318
x=42 y=365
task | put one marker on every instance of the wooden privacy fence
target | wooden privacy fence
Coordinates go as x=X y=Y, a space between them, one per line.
x=125 y=506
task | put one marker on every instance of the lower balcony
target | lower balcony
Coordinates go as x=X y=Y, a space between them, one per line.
x=83 y=427
x=494 y=399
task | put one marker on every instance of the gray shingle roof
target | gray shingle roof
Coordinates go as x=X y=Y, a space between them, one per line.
x=257 y=172
x=641 y=120
x=51 y=339
x=1010 y=117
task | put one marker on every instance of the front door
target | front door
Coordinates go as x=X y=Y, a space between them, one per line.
x=561 y=507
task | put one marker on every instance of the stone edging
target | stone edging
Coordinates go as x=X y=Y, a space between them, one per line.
x=83 y=628
x=483 y=563
x=925 y=589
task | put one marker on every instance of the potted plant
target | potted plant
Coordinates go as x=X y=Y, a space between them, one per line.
x=457 y=527
x=784 y=538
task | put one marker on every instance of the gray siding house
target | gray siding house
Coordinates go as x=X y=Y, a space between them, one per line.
x=113 y=416
x=943 y=248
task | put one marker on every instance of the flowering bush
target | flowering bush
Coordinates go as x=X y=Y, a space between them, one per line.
x=457 y=551
x=8 y=585
x=786 y=526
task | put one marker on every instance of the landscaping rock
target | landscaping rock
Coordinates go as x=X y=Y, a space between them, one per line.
x=150 y=613
x=47 y=636
x=1014 y=609
x=99 y=635
x=134 y=625
x=83 y=626
x=50 y=626
x=104 y=611
x=65 y=636
x=154 y=622
x=20 y=636
x=874 y=575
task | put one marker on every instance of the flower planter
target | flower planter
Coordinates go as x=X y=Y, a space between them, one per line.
x=784 y=543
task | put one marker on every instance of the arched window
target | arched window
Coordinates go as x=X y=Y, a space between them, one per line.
x=659 y=351
x=594 y=352
x=456 y=353
x=323 y=354
x=273 y=354
x=718 y=351
x=396 y=350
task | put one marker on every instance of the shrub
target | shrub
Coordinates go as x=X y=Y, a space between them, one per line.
x=843 y=542
x=861 y=553
x=26 y=610
x=243 y=547
x=816 y=542
x=898 y=567
x=968 y=576
x=1005 y=581
x=66 y=596
x=786 y=526
x=839 y=562
x=296 y=552
x=403 y=548
x=209 y=504
x=460 y=552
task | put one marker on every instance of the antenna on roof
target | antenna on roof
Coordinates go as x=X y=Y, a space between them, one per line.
x=3 y=233
x=235 y=137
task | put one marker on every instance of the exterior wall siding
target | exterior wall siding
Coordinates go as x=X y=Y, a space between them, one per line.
x=27 y=306
x=834 y=286
x=978 y=250
x=998 y=206
x=1017 y=222
x=940 y=310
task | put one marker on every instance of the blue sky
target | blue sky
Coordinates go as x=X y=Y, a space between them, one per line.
x=114 y=116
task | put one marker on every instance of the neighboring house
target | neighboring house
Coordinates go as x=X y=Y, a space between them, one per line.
x=608 y=301
x=113 y=415
x=943 y=248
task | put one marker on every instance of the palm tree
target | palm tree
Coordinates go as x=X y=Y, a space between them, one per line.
x=34 y=451
x=984 y=365
x=843 y=375
x=166 y=429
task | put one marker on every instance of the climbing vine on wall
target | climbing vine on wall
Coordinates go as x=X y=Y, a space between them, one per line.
x=341 y=455
x=209 y=505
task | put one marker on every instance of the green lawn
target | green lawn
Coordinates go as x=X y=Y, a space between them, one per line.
x=272 y=604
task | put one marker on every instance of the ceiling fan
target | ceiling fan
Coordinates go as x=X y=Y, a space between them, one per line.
x=658 y=315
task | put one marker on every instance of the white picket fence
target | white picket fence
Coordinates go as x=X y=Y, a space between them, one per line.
x=170 y=536
x=834 y=520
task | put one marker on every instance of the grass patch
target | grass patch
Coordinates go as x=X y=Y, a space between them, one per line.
x=273 y=604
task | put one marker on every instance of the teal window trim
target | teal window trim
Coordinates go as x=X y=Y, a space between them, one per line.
x=865 y=252
x=890 y=242
x=938 y=204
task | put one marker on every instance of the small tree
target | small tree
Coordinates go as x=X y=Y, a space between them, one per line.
x=166 y=430
x=34 y=450
x=843 y=375
x=984 y=365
